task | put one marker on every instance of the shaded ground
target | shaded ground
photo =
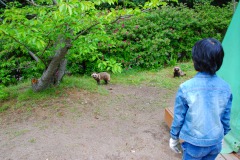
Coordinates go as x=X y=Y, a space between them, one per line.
x=126 y=124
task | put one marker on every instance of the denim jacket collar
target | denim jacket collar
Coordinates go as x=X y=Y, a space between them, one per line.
x=204 y=75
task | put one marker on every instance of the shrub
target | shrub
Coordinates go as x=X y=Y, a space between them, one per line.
x=164 y=36
x=150 y=40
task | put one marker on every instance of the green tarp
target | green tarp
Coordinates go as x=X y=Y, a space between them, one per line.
x=230 y=72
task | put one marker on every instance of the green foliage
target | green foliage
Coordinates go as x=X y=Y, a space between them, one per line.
x=4 y=94
x=137 y=3
x=191 y=3
x=165 y=36
x=84 y=56
x=149 y=40
x=16 y=65
x=38 y=29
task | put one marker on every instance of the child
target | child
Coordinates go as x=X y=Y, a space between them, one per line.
x=202 y=106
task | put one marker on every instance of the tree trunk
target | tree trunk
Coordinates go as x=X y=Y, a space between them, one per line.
x=60 y=72
x=56 y=68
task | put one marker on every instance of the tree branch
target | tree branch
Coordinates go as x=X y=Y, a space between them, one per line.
x=54 y=2
x=49 y=42
x=29 y=51
x=32 y=2
x=119 y=17
x=3 y=3
x=84 y=31
x=33 y=55
x=116 y=20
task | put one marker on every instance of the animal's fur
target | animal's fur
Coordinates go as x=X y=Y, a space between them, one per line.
x=177 y=72
x=101 y=76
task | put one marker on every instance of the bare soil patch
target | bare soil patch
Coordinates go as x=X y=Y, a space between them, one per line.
x=126 y=124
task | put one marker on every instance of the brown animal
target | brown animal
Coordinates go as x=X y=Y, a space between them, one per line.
x=177 y=72
x=101 y=76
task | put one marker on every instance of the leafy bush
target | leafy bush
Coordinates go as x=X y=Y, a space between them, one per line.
x=150 y=40
x=16 y=64
x=164 y=36
x=85 y=56
x=191 y=3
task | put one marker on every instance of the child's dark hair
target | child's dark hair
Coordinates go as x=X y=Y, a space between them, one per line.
x=207 y=55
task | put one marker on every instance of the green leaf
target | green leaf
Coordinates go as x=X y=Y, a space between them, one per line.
x=82 y=6
x=63 y=7
x=55 y=15
x=69 y=10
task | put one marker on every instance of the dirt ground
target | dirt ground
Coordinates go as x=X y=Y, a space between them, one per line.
x=126 y=124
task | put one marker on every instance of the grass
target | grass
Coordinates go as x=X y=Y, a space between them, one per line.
x=162 y=78
x=22 y=96
x=19 y=133
x=4 y=107
x=33 y=140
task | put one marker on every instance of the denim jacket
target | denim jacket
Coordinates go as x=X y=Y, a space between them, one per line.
x=202 y=110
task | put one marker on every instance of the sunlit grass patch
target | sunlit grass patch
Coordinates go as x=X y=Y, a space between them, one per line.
x=160 y=78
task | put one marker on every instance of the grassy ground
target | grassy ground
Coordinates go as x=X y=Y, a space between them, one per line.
x=120 y=121
x=22 y=96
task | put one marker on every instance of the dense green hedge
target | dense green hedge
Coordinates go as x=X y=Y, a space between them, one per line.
x=164 y=36
x=150 y=40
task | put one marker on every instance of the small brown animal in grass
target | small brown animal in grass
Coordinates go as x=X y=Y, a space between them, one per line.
x=177 y=72
x=101 y=76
